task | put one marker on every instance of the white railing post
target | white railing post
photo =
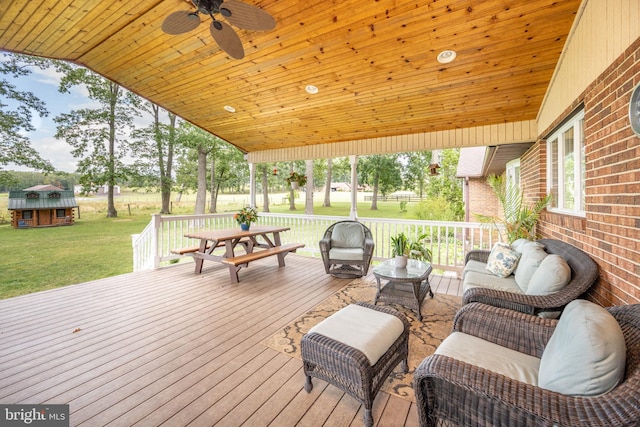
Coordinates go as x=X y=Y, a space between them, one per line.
x=354 y=188
x=156 y=220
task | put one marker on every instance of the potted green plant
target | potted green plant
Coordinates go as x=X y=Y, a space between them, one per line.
x=296 y=180
x=245 y=217
x=519 y=219
x=400 y=249
x=404 y=248
x=418 y=249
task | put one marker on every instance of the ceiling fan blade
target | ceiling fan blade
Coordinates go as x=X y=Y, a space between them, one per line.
x=180 y=22
x=246 y=16
x=227 y=39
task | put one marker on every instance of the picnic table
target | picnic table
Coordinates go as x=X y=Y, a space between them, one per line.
x=266 y=239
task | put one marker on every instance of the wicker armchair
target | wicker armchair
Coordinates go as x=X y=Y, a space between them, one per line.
x=347 y=252
x=466 y=395
x=584 y=272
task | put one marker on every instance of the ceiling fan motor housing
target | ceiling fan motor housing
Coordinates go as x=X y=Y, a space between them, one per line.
x=211 y=7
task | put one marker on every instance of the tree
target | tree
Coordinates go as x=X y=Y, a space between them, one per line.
x=416 y=172
x=382 y=172
x=228 y=167
x=154 y=148
x=98 y=135
x=197 y=144
x=295 y=166
x=446 y=185
x=263 y=170
x=327 y=189
x=16 y=113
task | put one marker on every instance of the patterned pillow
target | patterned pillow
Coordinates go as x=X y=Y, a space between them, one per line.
x=502 y=260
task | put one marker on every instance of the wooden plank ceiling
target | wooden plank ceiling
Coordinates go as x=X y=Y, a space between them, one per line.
x=373 y=61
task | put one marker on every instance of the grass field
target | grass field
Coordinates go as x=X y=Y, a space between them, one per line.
x=95 y=247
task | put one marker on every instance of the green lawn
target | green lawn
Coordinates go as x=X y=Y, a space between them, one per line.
x=95 y=247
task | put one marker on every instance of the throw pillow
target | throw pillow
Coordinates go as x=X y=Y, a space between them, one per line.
x=586 y=354
x=347 y=235
x=518 y=244
x=502 y=259
x=532 y=256
x=551 y=276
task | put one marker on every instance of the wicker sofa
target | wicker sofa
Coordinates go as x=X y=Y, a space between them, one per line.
x=584 y=272
x=462 y=393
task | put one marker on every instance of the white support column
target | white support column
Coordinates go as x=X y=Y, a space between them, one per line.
x=252 y=185
x=354 y=187
x=308 y=200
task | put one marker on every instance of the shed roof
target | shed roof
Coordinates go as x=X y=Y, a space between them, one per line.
x=50 y=199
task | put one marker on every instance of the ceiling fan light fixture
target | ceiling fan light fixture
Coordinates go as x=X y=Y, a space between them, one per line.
x=229 y=108
x=311 y=89
x=446 y=56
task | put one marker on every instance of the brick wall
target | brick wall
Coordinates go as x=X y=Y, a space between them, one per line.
x=610 y=233
x=482 y=199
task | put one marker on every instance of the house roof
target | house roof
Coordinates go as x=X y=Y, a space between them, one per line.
x=374 y=63
x=35 y=200
x=478 y=162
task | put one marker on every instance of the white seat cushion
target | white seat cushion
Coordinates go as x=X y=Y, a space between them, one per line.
x=473 y=265
x=346 y=254
x=347 y=235
x=473 y=279
x=586 y=355
x=370 y=331
x=484 y=354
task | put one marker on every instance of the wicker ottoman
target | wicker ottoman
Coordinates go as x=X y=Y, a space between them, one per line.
x=356 y=349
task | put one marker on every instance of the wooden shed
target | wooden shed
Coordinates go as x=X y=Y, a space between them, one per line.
x=42 y=206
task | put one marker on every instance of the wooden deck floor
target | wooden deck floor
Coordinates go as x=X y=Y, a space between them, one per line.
x=169 y=347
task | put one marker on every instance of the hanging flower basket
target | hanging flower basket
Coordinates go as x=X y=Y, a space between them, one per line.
x=296 y=180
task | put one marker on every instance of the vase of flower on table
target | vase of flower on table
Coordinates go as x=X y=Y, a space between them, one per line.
x=245 y=217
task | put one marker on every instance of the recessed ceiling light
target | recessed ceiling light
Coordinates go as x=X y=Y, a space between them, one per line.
x=446 y=56
x=229 y=108
x=311 y=89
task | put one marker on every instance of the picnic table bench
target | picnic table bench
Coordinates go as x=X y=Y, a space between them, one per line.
x=269 y=245
x=264 y=253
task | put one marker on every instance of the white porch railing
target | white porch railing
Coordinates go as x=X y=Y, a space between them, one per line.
x=449 y=241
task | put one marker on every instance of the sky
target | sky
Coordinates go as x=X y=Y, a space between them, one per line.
x=44 y=84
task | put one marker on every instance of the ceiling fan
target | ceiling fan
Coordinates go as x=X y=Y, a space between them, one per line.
x=238 y=14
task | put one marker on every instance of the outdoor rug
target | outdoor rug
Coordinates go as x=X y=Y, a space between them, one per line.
x=424 y=338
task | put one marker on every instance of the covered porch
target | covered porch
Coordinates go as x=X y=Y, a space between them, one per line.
x=169 y=347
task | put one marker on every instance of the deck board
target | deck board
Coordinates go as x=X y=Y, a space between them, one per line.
x=170 y=347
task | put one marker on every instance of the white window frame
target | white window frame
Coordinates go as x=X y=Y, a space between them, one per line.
x=576 y=122
x=513 y=173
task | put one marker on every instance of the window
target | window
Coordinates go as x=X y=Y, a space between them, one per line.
x=27 y=214
x=566 y=167
x=513 y=174
x=60 y=213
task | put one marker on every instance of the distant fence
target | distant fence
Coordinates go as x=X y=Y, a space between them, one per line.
x=448 y=241
x=395 y=198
